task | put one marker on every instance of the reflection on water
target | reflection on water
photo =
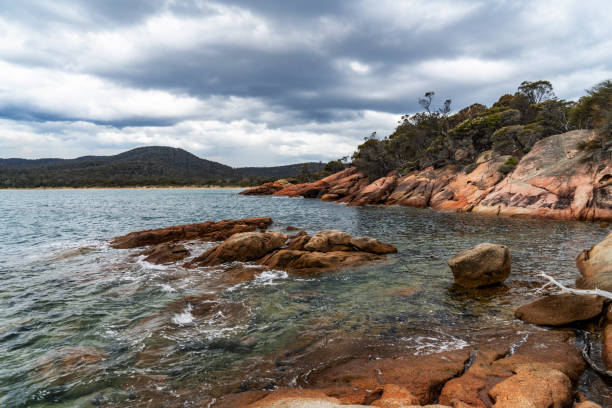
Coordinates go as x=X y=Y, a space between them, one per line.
x=85 y=324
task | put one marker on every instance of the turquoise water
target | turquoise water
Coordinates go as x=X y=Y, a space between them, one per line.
x=86 y=325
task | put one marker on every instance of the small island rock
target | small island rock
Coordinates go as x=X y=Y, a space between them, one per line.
x=482 y=265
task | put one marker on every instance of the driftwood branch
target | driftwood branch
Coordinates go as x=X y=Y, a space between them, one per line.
x=586 y=354
x=565 y=289
x=586 y=350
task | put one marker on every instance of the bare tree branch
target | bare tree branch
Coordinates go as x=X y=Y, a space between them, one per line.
x=565 y=289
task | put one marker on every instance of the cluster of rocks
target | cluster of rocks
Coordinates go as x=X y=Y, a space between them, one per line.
x=537 y=370
x=300 y=253
x=551 y=181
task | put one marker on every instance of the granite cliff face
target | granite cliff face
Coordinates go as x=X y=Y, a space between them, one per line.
x=554 y=180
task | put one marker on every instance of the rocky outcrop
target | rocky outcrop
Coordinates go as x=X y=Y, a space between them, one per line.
x=326 y=250
x=302 y=254
x=205 y=231
x=265 y=189
x=165 y=253
x=559 y=310
x=485 y=264
x=552 y=181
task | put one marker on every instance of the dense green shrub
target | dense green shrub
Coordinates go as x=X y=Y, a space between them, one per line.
x=509 y=165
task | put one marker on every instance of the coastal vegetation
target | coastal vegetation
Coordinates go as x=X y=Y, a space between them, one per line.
x=511 y=126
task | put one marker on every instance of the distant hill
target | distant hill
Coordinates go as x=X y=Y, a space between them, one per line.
x=154 y=165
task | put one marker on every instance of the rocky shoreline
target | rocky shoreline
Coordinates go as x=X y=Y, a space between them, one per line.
x=501 y=369
x=554 y=180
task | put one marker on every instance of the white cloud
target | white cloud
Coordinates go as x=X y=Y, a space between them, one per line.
x=467 y=70
x=418 y=15
x=236 y=143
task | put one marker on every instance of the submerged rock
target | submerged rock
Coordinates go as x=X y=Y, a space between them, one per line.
x=485 y=264
x=205 y=231
x=69 y=364
x=559 y=310
x=372 y=245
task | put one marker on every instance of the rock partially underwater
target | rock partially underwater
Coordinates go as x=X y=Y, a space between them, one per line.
x=302 y=253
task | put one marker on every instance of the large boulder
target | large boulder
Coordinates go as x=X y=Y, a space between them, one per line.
x=595 y=266
x=485 y=264
x=559 y=310
x=246 y=246
x=166 y=253
x=205 y=231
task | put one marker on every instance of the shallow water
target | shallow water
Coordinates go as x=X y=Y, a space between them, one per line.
x=135 y=336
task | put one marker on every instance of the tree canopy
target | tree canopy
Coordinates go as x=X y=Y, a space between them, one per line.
x=511 y=126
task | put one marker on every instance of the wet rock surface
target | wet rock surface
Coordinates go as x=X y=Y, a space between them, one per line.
x=166 y=253
x=485 y=264
x=559 y=310
x=205 y=231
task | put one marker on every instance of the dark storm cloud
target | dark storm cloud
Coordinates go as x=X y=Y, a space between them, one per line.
x=144 y=71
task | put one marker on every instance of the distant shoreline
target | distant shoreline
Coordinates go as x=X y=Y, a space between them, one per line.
x=123 y=188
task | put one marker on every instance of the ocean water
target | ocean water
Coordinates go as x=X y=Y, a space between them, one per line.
x=82 y=324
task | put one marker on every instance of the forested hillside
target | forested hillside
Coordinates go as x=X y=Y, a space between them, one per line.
x=138 y=167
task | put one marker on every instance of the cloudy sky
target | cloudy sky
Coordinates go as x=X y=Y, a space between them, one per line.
x=253 y=82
